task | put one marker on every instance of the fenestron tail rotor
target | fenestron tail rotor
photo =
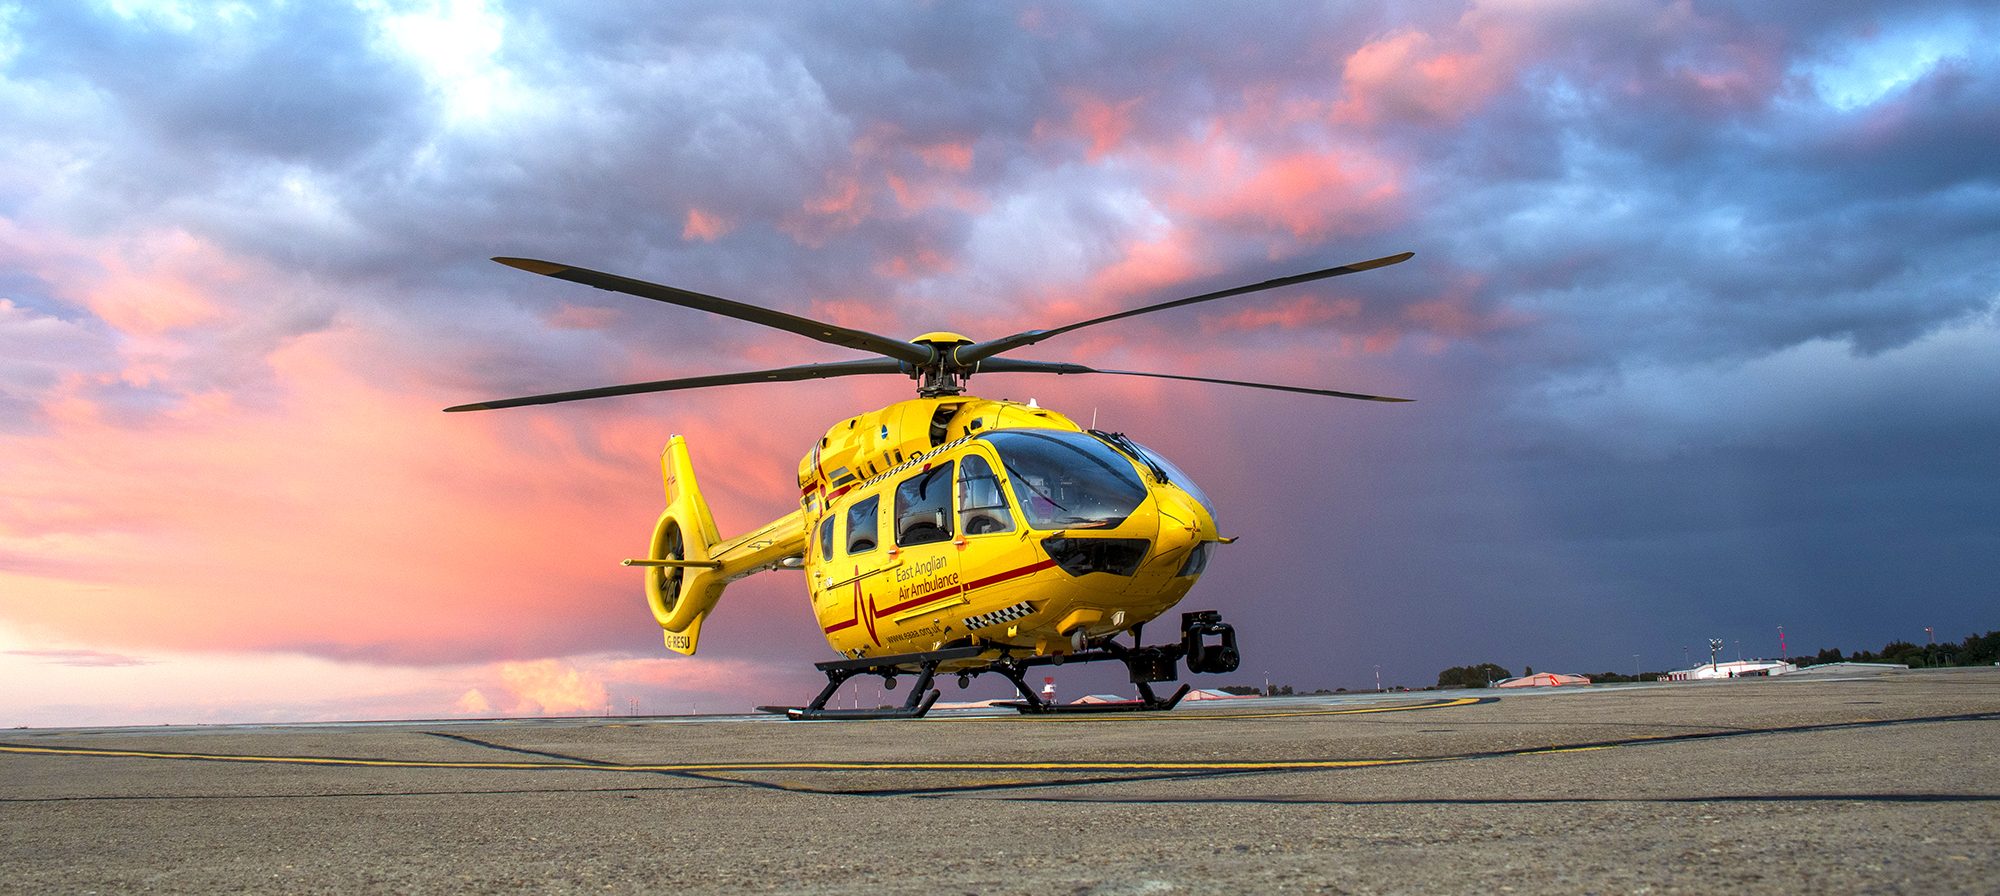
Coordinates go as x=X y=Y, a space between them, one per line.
x=940 y=362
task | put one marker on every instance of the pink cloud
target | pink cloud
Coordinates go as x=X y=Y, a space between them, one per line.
x=81 y=657
x=1145 y=266
x=551 y=687
x=1411 y=74
x=1311 y=195
x=841 y=201
x=1294 y=313
x=581 y=317
x=919 y=261
x=1103 y=125
x=955 y=157
x=353 y=519
x=928 y=189
x=1704 y=65
x=158 y=284
x=705 y=226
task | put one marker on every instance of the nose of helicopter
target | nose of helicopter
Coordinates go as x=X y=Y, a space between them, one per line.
x=1184 y=527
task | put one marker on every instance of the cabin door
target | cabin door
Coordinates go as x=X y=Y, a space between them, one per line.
x=923 y=580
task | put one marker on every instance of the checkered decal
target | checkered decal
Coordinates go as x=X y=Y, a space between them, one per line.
x=999 y=616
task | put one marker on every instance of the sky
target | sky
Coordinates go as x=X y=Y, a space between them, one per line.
x=1703 y=325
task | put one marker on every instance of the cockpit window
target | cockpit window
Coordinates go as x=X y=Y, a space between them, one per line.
x=861 y=525
x=1067 y=480
x=826 y=538
x=982 y=508
x=923 y=507
x=1175 y=475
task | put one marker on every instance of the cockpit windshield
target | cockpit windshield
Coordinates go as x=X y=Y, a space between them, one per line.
x=1067 y=480
x=1175 y=475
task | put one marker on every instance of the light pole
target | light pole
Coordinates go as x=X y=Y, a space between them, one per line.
x=1714 y=647
x=1783 y=654
x=1378 y=678
x=1267 y=682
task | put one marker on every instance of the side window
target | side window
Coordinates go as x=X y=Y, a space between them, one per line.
x=982 y=508
x=923 y=508
x=861 y=526
x=826 y=538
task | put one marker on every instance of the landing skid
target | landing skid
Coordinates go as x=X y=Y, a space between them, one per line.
x=1146 y=666
x=922 y=695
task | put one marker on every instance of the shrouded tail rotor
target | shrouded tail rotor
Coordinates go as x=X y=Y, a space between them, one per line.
x=688 y=563
x=680 y=584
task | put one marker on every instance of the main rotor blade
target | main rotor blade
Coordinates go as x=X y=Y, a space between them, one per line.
x=972 y=354
x=672 y=295
x=1009 y=365
x=780 y=375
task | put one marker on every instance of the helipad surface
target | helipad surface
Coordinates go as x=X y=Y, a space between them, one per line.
x=1884 y=783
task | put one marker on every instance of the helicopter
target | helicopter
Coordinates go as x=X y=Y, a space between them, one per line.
x=950 y=534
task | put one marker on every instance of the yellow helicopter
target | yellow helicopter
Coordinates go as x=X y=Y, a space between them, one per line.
x=950 y=534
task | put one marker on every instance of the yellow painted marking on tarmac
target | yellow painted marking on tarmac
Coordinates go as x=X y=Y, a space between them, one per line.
x=1434 y=704
x=1580 y=749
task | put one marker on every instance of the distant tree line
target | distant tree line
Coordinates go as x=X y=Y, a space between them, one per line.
x=1477 y=676
x=1975 y=650
x=1251 y=690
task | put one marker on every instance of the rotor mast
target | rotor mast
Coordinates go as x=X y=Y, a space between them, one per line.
x=941 y=375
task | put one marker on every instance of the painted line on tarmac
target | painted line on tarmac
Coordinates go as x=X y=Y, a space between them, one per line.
x=1286 y=714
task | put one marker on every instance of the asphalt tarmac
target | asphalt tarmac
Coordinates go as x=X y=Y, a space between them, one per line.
x=1884 y=783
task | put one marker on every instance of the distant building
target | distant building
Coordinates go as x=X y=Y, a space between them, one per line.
x=1542 y=680
x=1208 y=694
x=1733 y=669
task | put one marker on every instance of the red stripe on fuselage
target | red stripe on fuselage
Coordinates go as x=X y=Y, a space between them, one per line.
x=997 y=578
x=918 y=601
x=994 y=579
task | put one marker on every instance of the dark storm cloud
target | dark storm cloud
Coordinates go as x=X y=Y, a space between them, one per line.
x=1757 y=223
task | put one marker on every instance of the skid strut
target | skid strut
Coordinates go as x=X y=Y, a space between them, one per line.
x=1146 y=665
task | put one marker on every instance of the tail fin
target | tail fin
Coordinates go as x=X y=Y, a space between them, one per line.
x=690 y=564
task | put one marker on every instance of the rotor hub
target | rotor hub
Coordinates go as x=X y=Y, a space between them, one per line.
x=942 y=374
